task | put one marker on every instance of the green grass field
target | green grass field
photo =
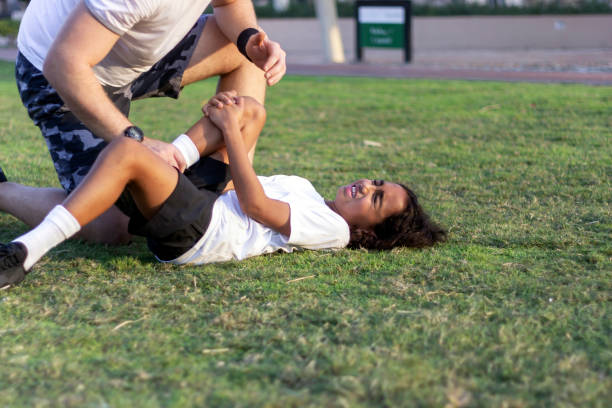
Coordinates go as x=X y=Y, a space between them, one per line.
x=514 y=310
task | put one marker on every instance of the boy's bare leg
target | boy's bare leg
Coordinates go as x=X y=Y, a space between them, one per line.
x=124 y=163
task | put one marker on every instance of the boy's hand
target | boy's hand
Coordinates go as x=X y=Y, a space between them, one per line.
x=229 y=115
x=219 y=100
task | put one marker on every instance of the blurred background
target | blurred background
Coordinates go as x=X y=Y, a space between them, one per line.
x=536 y=35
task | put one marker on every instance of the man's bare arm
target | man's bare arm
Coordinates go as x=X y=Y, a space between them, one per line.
x=81 y=44
x=234 y=16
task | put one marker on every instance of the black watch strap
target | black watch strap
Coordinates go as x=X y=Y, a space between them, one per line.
x=134 y=132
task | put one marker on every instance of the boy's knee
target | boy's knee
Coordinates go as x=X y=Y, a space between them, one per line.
x=255 y=110
x=123 y=149
x=124 y=144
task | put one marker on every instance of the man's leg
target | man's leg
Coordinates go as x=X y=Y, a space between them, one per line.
x=216 y=55
x=31 y=204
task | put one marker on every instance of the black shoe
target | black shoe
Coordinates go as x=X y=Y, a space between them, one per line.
x=2 y=176
x=12 y=257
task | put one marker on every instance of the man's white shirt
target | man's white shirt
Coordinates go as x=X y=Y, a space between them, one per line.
x=148 y=30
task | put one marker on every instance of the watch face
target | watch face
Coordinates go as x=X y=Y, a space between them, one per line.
x=134 y=132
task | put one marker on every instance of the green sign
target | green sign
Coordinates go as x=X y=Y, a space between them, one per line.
x=381 y=26
x=382 y=35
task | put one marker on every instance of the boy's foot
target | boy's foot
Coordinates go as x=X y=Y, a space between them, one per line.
x=2 y=176
x=12 y=256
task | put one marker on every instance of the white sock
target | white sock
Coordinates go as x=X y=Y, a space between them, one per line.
x=188 y=149
x=58 y=226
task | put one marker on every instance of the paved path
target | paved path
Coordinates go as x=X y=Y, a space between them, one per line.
x=301 y=38
x=450 y=72
x=8 y=54
x=593 y=67
x=586 y=66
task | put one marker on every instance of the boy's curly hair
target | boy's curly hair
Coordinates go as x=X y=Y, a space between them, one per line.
x=410 y=228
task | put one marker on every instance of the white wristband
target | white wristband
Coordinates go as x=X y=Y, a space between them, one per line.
x=188 y=149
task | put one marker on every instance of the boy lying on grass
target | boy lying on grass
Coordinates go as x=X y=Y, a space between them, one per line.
x=219 y=209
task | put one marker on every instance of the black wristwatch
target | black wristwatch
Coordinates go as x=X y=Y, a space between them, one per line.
x=134 y=132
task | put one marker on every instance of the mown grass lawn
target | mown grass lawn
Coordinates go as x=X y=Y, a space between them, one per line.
x=515 y=310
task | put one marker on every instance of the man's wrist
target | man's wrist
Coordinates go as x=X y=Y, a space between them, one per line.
x=243 y=39
x=134 y=133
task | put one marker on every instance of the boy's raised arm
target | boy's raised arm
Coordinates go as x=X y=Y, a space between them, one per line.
x=253 y=200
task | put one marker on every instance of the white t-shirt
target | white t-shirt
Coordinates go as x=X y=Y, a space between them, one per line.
x=148 y=30
x=233 y=235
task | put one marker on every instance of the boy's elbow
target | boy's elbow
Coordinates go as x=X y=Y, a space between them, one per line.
x=252 y=209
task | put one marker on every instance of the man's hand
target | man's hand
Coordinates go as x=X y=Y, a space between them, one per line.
x=229 y=116
x=166 y=151
x=268 y=56
x=219 y=100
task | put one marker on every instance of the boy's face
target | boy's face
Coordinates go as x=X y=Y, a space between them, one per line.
x=365 y=203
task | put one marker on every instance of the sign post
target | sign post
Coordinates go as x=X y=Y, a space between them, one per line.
x=383 y=24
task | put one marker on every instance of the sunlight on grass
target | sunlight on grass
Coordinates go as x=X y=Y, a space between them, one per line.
x=515 y=310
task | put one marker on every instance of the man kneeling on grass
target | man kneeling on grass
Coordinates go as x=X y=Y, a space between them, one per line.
x=219 y=209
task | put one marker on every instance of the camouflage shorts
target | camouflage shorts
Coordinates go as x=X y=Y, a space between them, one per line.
x=72 y=146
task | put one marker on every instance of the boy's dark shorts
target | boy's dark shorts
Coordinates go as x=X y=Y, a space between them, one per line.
x=72 y=146
x=183 y=218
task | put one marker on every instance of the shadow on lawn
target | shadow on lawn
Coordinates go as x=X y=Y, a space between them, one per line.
x=74 y=249
x=75 y=260
x=11 y=228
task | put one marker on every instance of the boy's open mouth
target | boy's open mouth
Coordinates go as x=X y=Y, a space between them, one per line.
x=352 y=190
